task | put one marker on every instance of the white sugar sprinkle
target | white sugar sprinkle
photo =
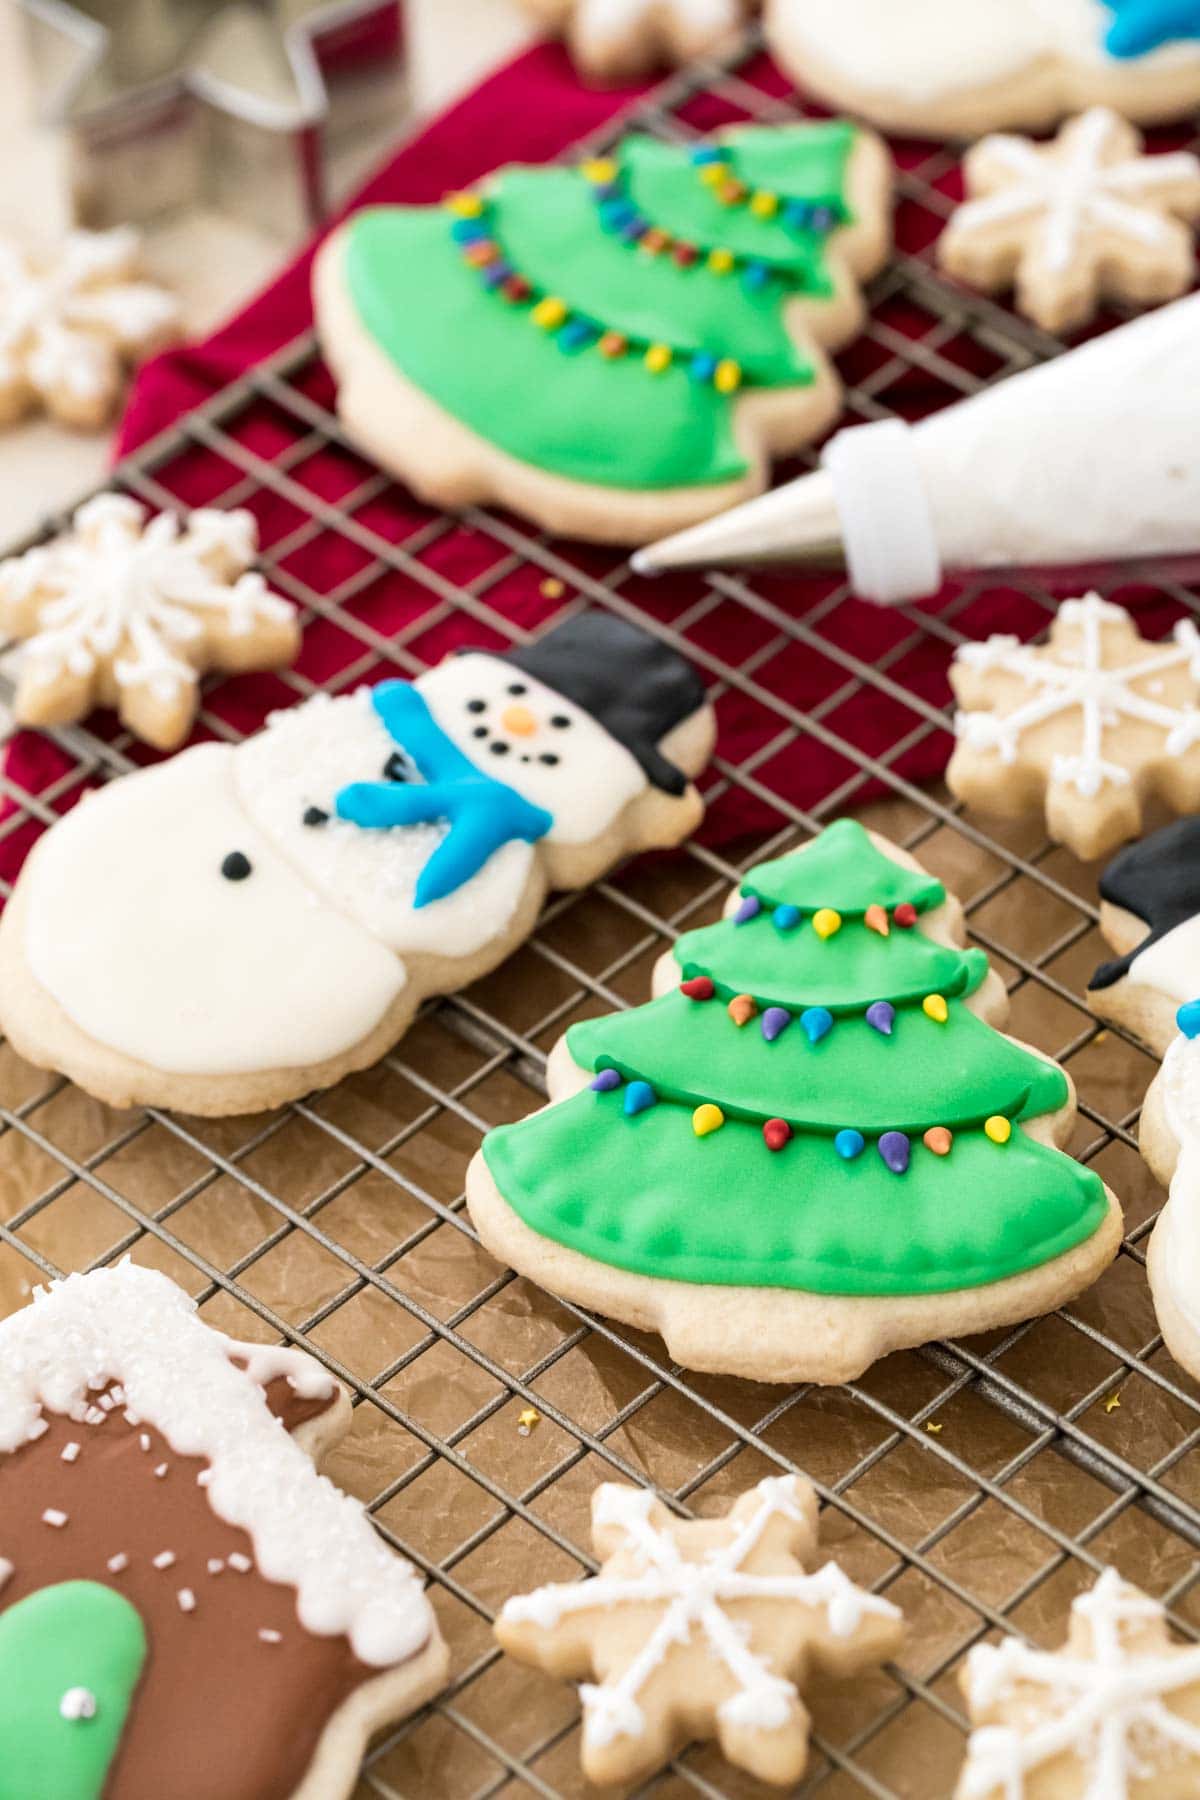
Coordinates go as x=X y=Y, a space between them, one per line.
x=144 y=1440
x=107 y=1402
x=204 y=1477
x=215 y=1565
x=239 y=1561
x=70 y=1451
x=78 y=1703
x=132 y=1418
x=164 y=1559
x=118 y=1562
x=187 y=1600
x=38 y=1429
x=6 y=1570
x=93 y=1416
x=52 y=1516
x=118 y=1395
x=161 y=1470
x=270 y=1637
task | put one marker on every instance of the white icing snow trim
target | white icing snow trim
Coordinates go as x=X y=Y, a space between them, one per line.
x=135 y=1326
x=1106 y=1707
x=1103 y=696
x=1181 y=1098
x=692 y=1594
x=116 y=582
x=887 y=527
x=1084 y=187
x=1172 y=963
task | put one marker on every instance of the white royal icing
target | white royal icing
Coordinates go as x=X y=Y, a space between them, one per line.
x=116 y=582
x=1102 y=696
x=1180 y=1220
x=65 y=316
x=1090 y=187
x=1172 y=962
x=135 y=1326
x=149 y=949
x=693 y=1596
x=921 y=50
x=1106 y=1707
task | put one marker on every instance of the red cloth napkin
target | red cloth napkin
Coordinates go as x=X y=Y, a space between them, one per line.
x=531 y=111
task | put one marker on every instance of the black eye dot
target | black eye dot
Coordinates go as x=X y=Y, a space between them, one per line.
x=315 y=815
x=549 y=758
x=498 y=749
x=560 y=721
x=236 y=867
x=517 y=687
x=480 y=731
x=477 y=706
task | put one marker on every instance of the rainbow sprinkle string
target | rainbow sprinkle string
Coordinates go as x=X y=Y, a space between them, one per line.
x=573 y=331
x=813 y=217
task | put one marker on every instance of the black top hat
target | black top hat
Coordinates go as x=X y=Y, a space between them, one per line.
x=632 y=684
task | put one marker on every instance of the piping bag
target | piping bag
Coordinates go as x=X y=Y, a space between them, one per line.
x=1093 y=458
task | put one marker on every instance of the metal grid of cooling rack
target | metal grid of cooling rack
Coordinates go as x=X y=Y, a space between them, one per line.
x=979 y=1484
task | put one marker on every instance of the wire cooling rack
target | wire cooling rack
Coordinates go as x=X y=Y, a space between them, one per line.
x=981 y=1484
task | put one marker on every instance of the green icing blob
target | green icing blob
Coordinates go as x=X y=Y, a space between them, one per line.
x=77 y=1634
x=644 y=1193
x=955 y=1074
x=608 y=422
x=647 y=1195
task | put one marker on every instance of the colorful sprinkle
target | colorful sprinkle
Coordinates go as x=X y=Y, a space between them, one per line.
x=516 y=288
x=606 y=1081
x=764 y=205
x=703 y=366
x=775 y=1020
x=658 y=358
x=465 y=206
x=998 y=1128
x=875 y=919
x=849 y=1144
x=707 y=153
x=600 y=170
x=576 y=334
x=1188 y=1018
x=934 y=1007
x=728 y=376
x=817 y=1022
x=655 y=240
x=786 y=917
x=639 y=1095
x=881 y=1016
x=795 y=215
x=707 y=1118
x=776 y=1133
x=826 y=922
x=748 y=909
x=742 y=1009
x=755 y=277
x=938 y=1139
x=549 y=313
x=685 y=254
x=721 y=261
x=894 y=1148
x=714 y=171
x=613 y=343
x=700 y=987
x=905 y=915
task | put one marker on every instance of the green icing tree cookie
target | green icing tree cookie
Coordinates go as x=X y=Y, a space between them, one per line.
x=649 y=323
x=814 y=1105
x=71 y=1657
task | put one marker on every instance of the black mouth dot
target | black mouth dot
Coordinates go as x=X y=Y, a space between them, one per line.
x=498 y=749
x=315 y=815
x=549 y=758
x=476 y=706
x=236 y=867
x=480 y=731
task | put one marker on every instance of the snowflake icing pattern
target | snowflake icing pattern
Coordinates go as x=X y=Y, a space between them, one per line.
x=125 y=611
x=1102 y=1699
x=1063 y=680
x=70 y=321
x=768 y=1533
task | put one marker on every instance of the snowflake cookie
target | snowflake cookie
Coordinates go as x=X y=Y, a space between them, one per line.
x=128 y=613
x=70 y=322
x=701 y=1629
x=1092 y=723
x=1113 y=1715
x=612 y=39
x=1070 y=223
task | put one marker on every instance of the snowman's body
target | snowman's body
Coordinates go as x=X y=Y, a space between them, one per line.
x=212 y=934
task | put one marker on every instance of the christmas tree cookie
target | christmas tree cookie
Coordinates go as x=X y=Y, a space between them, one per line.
x=813 y=1146
x=616 y=349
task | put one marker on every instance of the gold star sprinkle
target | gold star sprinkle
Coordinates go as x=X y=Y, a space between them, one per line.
x=528 y=1420
x=1113 y=1401
x=552 y=588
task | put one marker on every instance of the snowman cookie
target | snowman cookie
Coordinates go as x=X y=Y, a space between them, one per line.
x=261 y=920
x=958 y=68
x=1169 y=1140
x=614 y=40
x=187 y=1607
x=1150 y=914
x=616 y=349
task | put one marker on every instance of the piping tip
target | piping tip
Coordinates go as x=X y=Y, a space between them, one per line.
x=796 y=524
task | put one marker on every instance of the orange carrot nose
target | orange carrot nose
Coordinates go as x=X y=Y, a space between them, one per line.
x=519 y=720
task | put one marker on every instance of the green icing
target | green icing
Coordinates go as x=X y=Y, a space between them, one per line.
x=78 y=1634
x=605 y=421
x=645 y=1193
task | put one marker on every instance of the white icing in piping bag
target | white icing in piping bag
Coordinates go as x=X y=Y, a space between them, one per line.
x=1092 y=458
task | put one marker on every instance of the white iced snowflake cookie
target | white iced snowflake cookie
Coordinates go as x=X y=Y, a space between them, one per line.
x=958 y=68
x=1090 y=725
x=71 y=320
x=128 y=611
x=312 y=886
x=701 y=1629
x=611 y=39
x=1113 y=1715
x=1084 y=219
